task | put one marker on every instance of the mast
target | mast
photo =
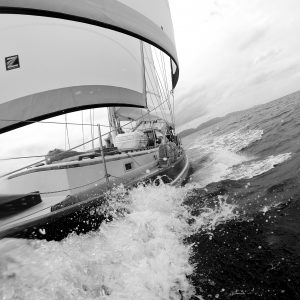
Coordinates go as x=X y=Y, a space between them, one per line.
x=143 y=72
x=112 y=124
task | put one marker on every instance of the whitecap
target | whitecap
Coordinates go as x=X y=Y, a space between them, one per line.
x=255 y=167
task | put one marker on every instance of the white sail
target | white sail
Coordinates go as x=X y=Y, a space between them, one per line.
x=132 y=113
x=156 y=94
x=60 y=56
x=145 y=19
x=65 y=66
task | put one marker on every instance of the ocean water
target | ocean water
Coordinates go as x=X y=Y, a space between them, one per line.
x=232 y=232
x=249 y=161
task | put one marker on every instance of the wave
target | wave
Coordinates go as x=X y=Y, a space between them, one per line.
x=233 y=141
x=222 y=152
x=138 y=255
x=141 y=254
x=226 y=162
x=254 y=168
x=209 y=214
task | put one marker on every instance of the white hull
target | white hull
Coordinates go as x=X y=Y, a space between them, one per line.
x=68 y=178
x=82 y=180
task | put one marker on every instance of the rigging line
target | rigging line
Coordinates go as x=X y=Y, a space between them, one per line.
x=82 y=129
x=133 y=159
x=49 y=122
x=173 y=109
x=36 y=156
x=170 y=107
x=167 y=90
x=167 y=96
x=41 y=161
x=153 y=132
x=166 y=87
x=163 y=69
x=144 y=115
x=153 y=105
x=21 y=157
x=166 y=83
x=92 y=135
x=65 y=137
x=159 y=88
x=160 y=67
x=67 y=132
x=125 y=123
x=53 y=122
x=149 y=80
x=93 y=124
x=164 y=72
x=158 y=78
x=157 y=97
x=152 y=66
x=150 y=95
x=158 y=61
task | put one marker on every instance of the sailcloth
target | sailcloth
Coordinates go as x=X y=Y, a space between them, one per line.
x=60 y=56
x=155 y=94
x=149 y=20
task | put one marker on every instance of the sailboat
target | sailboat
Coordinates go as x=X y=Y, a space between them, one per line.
x=63 y=56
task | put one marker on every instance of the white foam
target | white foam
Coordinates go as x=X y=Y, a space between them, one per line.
x=211 y=217
x=216 y=168
x=233 y=141
x=225 y=163
x=222 y=152
x=139 y=255
x=254 y=168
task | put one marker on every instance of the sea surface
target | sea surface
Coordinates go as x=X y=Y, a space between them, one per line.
x=232 y=232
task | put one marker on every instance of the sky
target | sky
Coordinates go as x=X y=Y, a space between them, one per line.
x=234 y=54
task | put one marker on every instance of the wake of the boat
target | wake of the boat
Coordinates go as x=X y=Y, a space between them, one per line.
x=140 y=254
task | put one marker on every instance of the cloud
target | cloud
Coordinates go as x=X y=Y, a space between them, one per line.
x=253 y=39
x=279 y=74
x=262 y=77
x=191 y=105
x=191 y=112
x=267 y=56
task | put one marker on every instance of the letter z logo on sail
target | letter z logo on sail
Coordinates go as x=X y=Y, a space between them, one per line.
x=12 y=62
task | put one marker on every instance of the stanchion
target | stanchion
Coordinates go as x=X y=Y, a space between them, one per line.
x=103 y=156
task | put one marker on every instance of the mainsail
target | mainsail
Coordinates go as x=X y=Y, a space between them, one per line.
x=62 y=55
